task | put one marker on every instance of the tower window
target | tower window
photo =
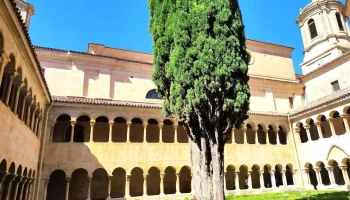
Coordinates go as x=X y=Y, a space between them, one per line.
x=312 y=28
x=340 y=23
x=335 y=85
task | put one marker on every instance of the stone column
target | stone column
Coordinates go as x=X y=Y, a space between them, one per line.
x=330 y=121
x=3 y=176
x=256 y=135
x=262 y=183
x=18 y=89
x=345 y=174
x=162 y=183
x=8 y=89
x=307 y=128
x=32 y=121
x=145 y=132
x=23 y=106
x=297 y=135
x=26 y=189
x=160 y=126
x=145 y=184
x=28 y=115
x=245 y=138
x=6 y=80
x=40 y=125
x=110 y=131
x=51 y=130
x=318 y=175
x=250 y=180
x=89 y=188
x=267 y=136
x=294 y=177
x=284 y=178
x=46 y=182
x=175 y=132
x=127 y=185
x=4 y=60
x=92 y=124
x=128 y=124
x=109 y=187
x=346 y=122
x=178 y=183
x=319 y=129
x=72 y=123
x=10 y=180
x=237 y=180
x=331 y=175
x=306 y=175
x=273 y=179
x=22 y=186
x=30 y=189
x=278 y=137
x=36 y=126
x=67 y=187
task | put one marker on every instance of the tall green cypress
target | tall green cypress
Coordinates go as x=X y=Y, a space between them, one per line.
x=201 y=67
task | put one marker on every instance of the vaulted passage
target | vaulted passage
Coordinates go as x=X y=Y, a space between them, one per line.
x=78 y=187
x=118 y=183
x=170 y=181
x=56 y=189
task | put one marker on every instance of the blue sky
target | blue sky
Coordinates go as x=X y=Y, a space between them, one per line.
x=124 y=24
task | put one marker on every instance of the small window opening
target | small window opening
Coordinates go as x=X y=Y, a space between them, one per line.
x=291 y=102
x=312 y=28
x=340 y=23
x=335 y=86
x=152 y=94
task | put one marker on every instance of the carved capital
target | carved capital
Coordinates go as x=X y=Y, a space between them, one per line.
x=160 y=125
x=92 y=122
x=111 y=123
x=145 y=176
x=344 y=116
x=175 y=126
x=128 y=123
x=68 y=179
x=127 y=177
x=145 y=125
x=307 y=127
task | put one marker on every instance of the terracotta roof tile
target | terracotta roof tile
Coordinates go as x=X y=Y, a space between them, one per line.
x=338 y=95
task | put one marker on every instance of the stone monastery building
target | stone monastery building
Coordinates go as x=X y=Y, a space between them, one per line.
x=103 y=135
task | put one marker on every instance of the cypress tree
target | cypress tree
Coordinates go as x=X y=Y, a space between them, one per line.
x=201 y=67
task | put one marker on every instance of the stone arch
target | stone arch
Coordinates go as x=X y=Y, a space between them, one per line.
x=56 y=189
x=118 y=183
x=82 y=129
x=119 y=130
x=152 y=132
x=185 y=179
x=230 y=177
x=312 y=175
x=312 y=28
x=101 y=129
x=282 y=135
x=243 y=175
x=325 y=127
x=255 y=176
x=99 y=184
x=250 y=134
x=181 y=134
x=3 y=166
x=289 y=174
x=272 y=134
x=336 y=152
x=261 y=134
x=267 y=176
x=78 y=185
x=136 y=182
x=303 y=134
x=168 y=131
x=170 y=180
x=324 y=173
x=313 y=130
x=22 y=99
x=16 y=84
x=6 y=83
x=153 y=181
x=12 y=168
x=60 y=129
x=278 y=175
x=338 y=123
x=19 y=170
x=136 y=130
x=337 y=172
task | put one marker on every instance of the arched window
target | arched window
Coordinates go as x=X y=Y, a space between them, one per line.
x=312 y=28
x=340 y=23
x=152 y=94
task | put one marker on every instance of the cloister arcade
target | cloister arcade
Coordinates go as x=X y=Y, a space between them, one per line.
x=16 y=182
x=15 y=91
x=328 y=173
x=81 y=184
x=324 y=125
x=137 y=130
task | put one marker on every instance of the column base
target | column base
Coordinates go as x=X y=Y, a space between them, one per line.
x=108 y=198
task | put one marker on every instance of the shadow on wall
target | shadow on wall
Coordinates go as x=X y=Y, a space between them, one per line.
x=70 y=140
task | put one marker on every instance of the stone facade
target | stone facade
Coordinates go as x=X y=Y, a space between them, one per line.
x=96 y=131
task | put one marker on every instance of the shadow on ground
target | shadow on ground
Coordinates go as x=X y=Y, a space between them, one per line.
x=328 y=196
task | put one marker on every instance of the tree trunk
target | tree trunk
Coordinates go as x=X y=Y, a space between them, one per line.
x=208 y=170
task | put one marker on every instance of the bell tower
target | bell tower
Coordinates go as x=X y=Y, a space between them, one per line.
x=26 y=10
x=324 y=31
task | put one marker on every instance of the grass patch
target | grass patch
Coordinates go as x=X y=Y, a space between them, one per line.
x=297 y=195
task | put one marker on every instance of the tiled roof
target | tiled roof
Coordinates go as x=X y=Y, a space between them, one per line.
x=338 y=95
x=26 y=33
x=108 y=102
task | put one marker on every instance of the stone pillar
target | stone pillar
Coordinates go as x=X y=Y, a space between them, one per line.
x=18 y=89
x=307 y=177
x=160 y=126
x=331 y=124
x=331 y=175
x=297 y=135
x=46 y=182
x=3 y=176
x=256 y=135
x=145 y=132
x=8 y=89
x=178 y=183
x=318 y=175
x=250 y=180
x=72 y=123
x=32 y=121
x=26 y=189
x=237 y=180
x=267 y=136
x=22 y=186
x=262 y=183
x=284 y=178
x=278 y=137
x=307 y=128
x=10 y=180
x=345 y=174
x=28 y=115
x=128 y=124
x=67 y=187
x=4 y=60
x=175 y=132
x=109 y=187
x=145 y=184
x=30 y=189
x=319 y=129
x=6 y=80
x=245 y=138
x=23 y=106
x=127 y=185
x=346 y=122
x=273 y=179
x=36 y=126
x=162 y=183
x=110 y=131
x=89 y=188
x=92 y=124
x=294 y=177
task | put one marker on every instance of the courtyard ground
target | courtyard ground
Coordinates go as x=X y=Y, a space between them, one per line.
x=298 y=195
